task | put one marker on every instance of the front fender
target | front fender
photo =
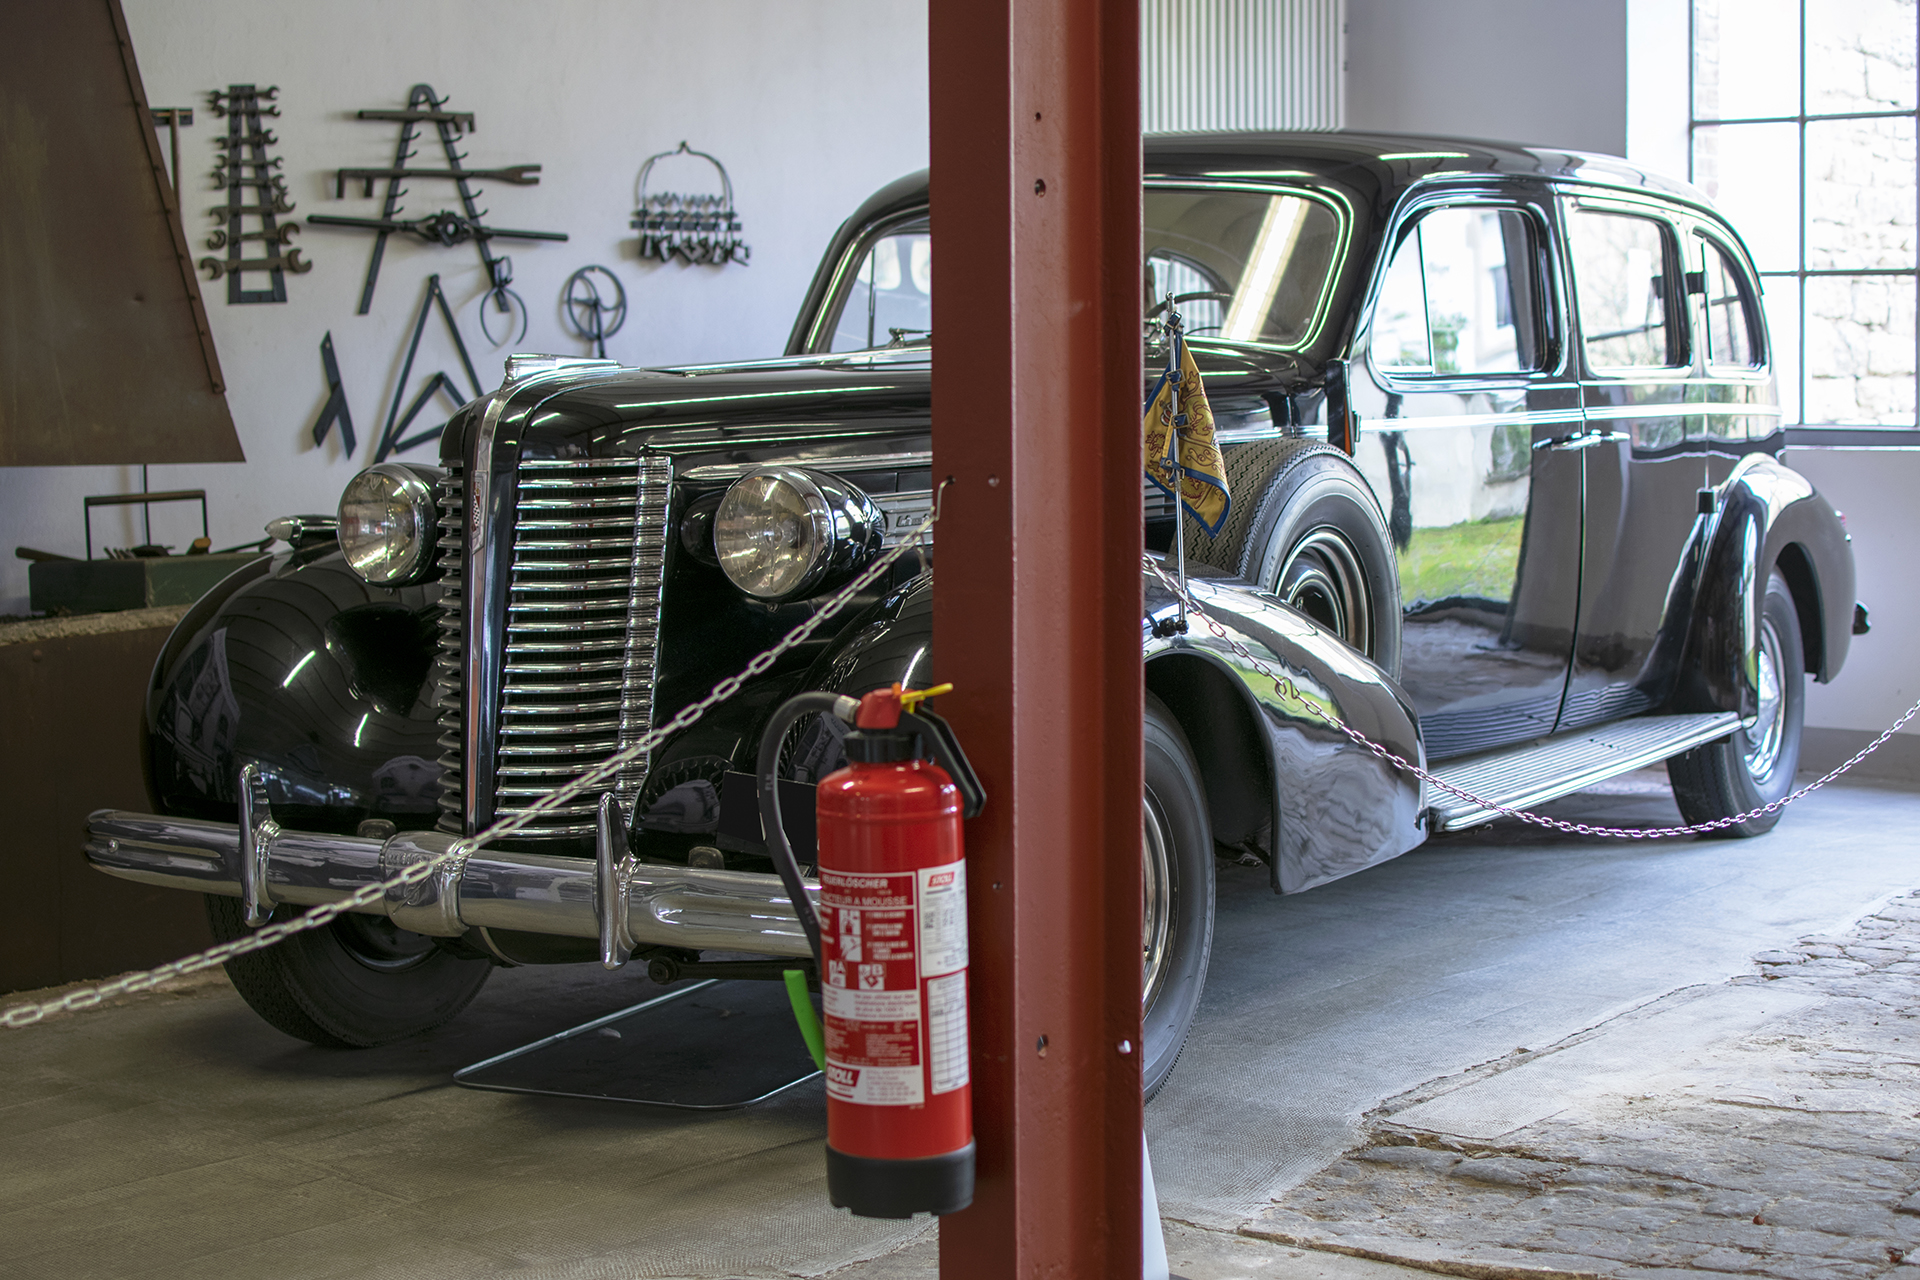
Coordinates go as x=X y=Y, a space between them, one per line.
x=1766 y=514
x=1337 y=808
x=1333 y=807
x=318 y=677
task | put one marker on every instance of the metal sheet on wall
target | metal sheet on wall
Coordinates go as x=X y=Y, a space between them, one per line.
x=1241 y=64
x=105 y=353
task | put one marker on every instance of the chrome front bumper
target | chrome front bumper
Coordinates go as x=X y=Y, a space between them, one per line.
x=642 y=904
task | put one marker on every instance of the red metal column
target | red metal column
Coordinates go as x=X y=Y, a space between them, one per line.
x=1037 y=386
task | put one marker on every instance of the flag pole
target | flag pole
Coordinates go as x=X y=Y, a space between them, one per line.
x=1174 y=330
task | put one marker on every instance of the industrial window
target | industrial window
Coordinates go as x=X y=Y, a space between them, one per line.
x=1808 y=144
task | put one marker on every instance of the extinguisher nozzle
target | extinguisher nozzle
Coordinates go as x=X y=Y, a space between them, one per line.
x=803 y=1014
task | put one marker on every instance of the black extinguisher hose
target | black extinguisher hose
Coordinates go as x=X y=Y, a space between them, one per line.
x=767 y=769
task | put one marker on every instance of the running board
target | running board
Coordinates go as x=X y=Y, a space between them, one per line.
x=1547 y=768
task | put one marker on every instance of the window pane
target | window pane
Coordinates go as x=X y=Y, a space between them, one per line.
x=892 y=290
x=1729 y=308
x=1267 y=258
x=1400 y=333
x=1478 y=281
x=1746 y=58
x=1860 y=363
x=1620 y=274
x=1860 y=56
x=1781 y=301
x=1750 y=171
x=1860 y=194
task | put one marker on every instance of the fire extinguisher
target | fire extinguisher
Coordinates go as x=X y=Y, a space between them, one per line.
x=890 y=943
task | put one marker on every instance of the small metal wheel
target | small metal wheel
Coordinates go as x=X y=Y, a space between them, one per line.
x=1755 y=765
x=1176 y=896
x=354 y=983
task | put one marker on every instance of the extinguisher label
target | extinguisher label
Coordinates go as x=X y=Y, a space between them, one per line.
x=869 y=928
x=943 y=919
x=947 y=1031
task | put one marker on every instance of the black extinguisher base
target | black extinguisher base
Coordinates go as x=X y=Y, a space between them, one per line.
x=876 y=1188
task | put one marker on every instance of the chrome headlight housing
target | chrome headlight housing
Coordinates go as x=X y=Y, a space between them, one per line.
x=388 y=523
x=782 y=532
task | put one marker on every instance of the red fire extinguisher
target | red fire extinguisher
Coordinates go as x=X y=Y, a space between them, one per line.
x=890 y=940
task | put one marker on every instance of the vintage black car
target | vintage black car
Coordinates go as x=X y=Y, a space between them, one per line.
x=1504 y=448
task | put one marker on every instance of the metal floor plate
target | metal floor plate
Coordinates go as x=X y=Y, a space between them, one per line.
x=1549 y=768
x=711 y=1046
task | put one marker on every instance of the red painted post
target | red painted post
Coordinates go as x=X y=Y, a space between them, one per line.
x=1035 y=120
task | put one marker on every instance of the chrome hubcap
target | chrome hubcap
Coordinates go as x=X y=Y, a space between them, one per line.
x=1322 y=578
x=1156 y=904
x=1769 y=726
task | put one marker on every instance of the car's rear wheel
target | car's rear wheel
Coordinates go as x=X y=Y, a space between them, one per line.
x=1755 y=765
x=353 y=983
x=1176 y=896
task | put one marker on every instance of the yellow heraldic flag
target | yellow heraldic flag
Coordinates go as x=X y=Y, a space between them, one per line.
x=1179 y=440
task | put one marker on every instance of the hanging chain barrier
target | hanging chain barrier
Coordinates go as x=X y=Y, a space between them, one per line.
x=90 y=997
x=1291 y=694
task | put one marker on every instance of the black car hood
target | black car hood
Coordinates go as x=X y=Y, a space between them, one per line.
x=822 y=406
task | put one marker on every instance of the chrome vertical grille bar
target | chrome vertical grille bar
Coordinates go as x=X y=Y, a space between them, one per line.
x=448 y=697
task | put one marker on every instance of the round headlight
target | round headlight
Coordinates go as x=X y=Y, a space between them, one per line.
x=387 y=524
x=782 y=531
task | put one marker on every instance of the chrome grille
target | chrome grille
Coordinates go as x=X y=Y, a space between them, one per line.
x=583 y=613
x=447 y=698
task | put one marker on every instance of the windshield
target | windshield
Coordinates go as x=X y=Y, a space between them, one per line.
x=1243 y=266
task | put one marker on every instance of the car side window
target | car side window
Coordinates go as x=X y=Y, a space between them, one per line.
x=1462 y=296
x=892 y=290
x=1623 y=273
x=1732 y=312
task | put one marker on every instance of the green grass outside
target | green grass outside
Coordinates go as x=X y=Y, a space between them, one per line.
x=1474 y=558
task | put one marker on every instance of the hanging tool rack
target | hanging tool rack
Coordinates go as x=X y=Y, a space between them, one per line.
x=445 y=228
x=256 y=195
x=700 y=228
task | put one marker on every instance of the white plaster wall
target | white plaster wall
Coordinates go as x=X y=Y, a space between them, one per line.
x=811 y=104
x=1875 y=488
x=1549 y=72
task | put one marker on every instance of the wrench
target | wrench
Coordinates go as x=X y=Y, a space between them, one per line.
x=281 y=234
x=228 y=267
x=523 y=175
x=280 y=205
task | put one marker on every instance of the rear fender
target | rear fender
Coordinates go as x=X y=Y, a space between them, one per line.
x=1765 y=515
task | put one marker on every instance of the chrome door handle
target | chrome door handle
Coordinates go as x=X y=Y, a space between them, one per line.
x=1580 y=440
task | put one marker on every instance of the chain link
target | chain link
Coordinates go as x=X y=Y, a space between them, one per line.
x=457 y=854
x=1291 y=693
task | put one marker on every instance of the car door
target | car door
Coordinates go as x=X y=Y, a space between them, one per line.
x=1643 y=448
x=1464 y=375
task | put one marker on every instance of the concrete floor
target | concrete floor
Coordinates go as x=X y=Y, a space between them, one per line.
x=176 y=1135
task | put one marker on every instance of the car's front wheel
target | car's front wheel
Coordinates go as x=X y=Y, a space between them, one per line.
x=1176 y=896
x=1755 y=765
x=351 y=984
